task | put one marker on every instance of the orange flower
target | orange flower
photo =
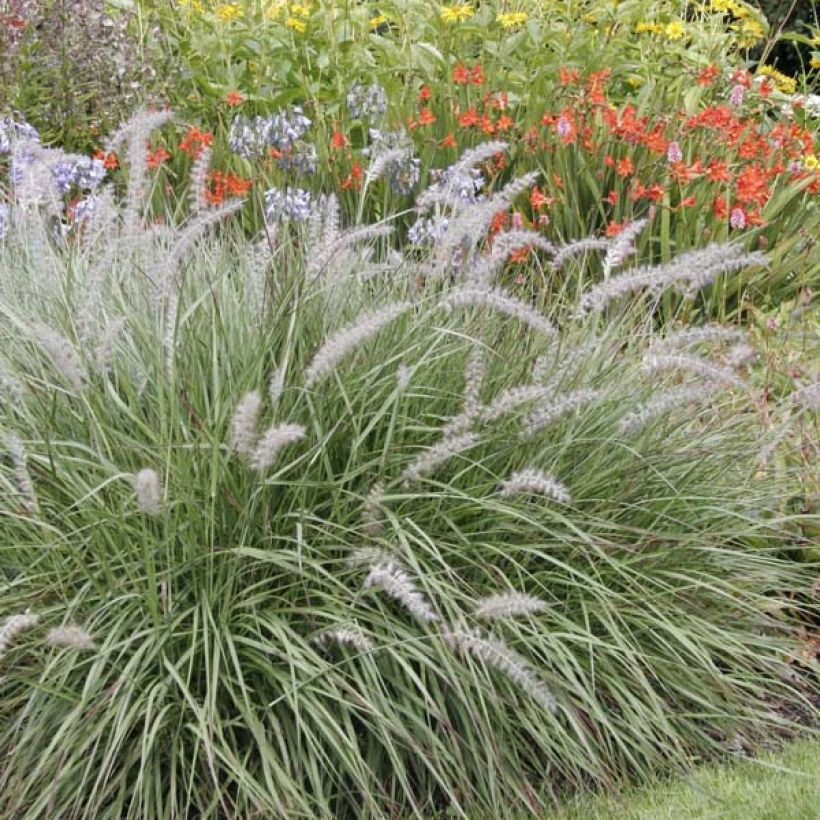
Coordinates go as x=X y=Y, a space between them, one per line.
x=718 y=171
x=110 y=160
x=449 y=141
x=612 y=198
x=195 y=142
x=520 y=255
x=469 y=118
x=752 y=186
x=477 y=75
x=707 y=75
x=234 y=98
x=614 y=228
x=354 y=178
x=461 y=75
x=720 y=208
x=338 y=140
x=157 y=157
x=538 y=200
x=568 y=76
x=425 y=93
x=426 y=116
x=625 y=167
x=487 y=126
x=505 y=123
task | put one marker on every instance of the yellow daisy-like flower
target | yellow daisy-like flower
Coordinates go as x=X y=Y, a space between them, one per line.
x=815 y=62
x=456 y=13
x=378 y=20
x=299 y=10
x=296 y=24
x=512 y=19
x=811 y=162
x=675 y=30
x=649 y=28
x=635 y=82
x=749 y=32
x=784 y=83
x=228 y=11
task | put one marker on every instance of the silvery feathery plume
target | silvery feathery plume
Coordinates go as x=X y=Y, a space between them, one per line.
x=70 y=636
x=808 y=395
x=274 y=440
x=245 y=424
x=686 y=273
x=351 y=636
x=169 y=337
x=443 y=450
x=63 y=354
x=403 y=376
x=9 y=386
x=561 y=406
x=165 y=272
x=664 y=402
x=350 y=338
x=508 y=605
x=13 y=626
x=336 y=244
x=498 y=655
x=622 y=246
x=460 y=184
x=532 y=481
x=324 y=225
x=4 y=220
x=198 y=194
x=32 y=178
x=148 y=491
x=740 y=355
x=276 y=385
x=373 y=512
x=366 y=102
x=501 y=301
x=474 y=371
x=694 y=364
x=688 y=337
x=366 y=557
x=484 y=269
x=392 y=155
x=511 y=399
x=393 y=579
x=22 y=478
x=104 y=353
x=134 y=135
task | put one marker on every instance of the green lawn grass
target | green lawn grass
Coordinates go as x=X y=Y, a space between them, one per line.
x=783 y=786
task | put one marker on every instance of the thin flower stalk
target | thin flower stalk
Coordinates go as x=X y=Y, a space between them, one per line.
x=535 y=482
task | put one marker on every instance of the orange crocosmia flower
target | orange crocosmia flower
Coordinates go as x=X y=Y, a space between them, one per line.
x=753 y=186
x=742 y=77
x=538 y=200
x=426 y=116
x=520 y=255
x=559 y=183
x=487 y=126
x=469 y=118
x=706 y=76
x=461 y=76
x=195 y=142
x=655 y=192
x=614 y=228
x=477 y=75
x=718 y=171
x=354 y=178
x=338 y=140
x=720 y=208
x=689 y=202
x=505 y=123
x=234 y=98
x=109 y=160
x=499 y=222
x=625 y=167
x=656 y=141
x=568 y=76
x=612 y=197
x=237 y=186
x=425 y=93
x=501 y=101
x=609 y=161
x=157 y=157
x=449 y=141
x=765 y=89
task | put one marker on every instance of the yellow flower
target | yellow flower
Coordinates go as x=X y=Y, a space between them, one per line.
x=651 y=28
x=815 y=62
x=749 y=32
x=784 y=83
x=811 y=162
x=375 y=22
x=296 y=24
x=721 y=5
x=228 y=11
x=196 y=5
x=299 y=10
x=512 y=19
x=456 y=13
x=675 y=30
x=635 y=82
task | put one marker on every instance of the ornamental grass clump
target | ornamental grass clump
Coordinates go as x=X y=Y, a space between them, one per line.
x=329 y=599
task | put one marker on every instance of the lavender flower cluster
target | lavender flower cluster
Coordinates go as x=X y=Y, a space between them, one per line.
x=251 y=137
x=366 y=102
x=291 y=204
x=80 y=172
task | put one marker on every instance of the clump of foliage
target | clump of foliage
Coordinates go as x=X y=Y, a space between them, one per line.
x=296 y=529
